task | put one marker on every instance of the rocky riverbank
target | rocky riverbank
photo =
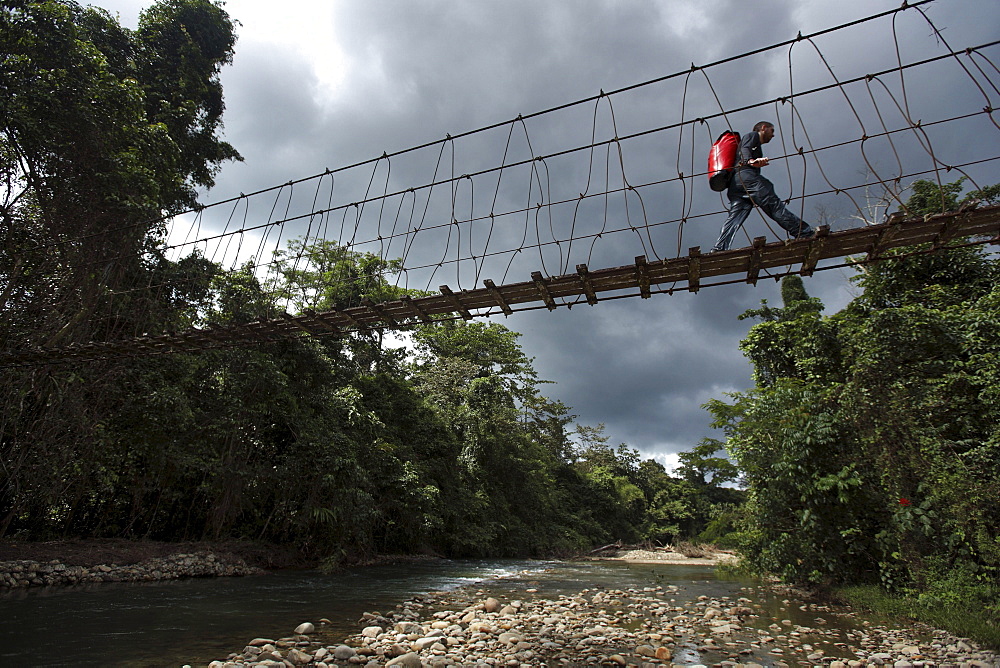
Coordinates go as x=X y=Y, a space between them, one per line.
x=77 y=561
x=30 y=573
x=652 y=626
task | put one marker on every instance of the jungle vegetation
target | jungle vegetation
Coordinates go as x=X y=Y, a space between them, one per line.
x=343 y=447
x=868 y=452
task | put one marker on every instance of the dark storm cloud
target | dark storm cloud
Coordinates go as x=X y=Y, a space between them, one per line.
x=272 y=117
x=416 y=71
x=475 y=63
x=643 y=367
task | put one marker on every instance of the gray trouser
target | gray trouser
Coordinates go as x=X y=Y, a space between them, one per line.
x=746 y=189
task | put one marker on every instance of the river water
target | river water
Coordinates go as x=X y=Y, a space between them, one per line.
x=199 y=620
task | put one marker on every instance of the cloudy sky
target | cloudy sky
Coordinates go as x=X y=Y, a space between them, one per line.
x=322 y=84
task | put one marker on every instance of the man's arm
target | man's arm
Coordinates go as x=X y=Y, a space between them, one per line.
x=754 y=151
x=748 y=143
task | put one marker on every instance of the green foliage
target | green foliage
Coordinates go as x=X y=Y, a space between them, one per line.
x=964 y=618
x=700 y=468
x=722 y=529
x=324 y=275
x=807 y=505
x=342 y=447
x=870 y=444
x=88 y=173
x=181 y=45
x=682 y=507
x=92 y=156
x=928 y=197
x=239 y=297
x=794 y=341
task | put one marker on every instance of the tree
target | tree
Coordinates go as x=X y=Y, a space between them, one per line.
x=870 y=444
x=669 y=511
x=181 y=46
x=793 y=341
x=324 y=275
x=808 y=505
x=90 y=160
x=490 y=348
x=90 y=164
x=700 y=468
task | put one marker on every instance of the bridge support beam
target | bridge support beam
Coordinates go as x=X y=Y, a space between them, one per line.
x=694 y=269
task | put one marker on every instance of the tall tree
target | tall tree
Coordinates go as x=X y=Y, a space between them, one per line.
x=104 y=131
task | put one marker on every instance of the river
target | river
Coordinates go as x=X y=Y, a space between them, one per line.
x=196 y=621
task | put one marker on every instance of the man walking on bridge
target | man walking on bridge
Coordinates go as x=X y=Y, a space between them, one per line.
x=747 y=188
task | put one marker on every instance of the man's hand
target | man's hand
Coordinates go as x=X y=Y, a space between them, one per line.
x=759 y=162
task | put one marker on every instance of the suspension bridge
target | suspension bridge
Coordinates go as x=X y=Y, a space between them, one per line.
x=554 y=245
x=642 y=279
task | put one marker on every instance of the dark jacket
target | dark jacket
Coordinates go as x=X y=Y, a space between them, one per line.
x=749 y=149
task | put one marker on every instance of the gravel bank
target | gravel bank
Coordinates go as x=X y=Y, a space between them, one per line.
x=653 y=626
x=665 y=555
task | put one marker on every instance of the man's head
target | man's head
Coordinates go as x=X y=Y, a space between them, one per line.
x=766 y=131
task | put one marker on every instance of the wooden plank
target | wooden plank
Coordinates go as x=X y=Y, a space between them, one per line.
x=882 y=243
x=588 y=288
x=543 y=289
x=694 y=268
x=456 y=302
x=288 y=317
x=170 y=340
x=321 y=321
x=642 y=276
x=417 y=310
x=492 y=287
x=354 y=322
x=950 y=228
x=209 y=334
x=233 y=331
x=380 y=311
x=815 y=250
x=753 y=270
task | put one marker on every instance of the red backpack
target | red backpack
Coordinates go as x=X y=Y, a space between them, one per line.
x=722 y=160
